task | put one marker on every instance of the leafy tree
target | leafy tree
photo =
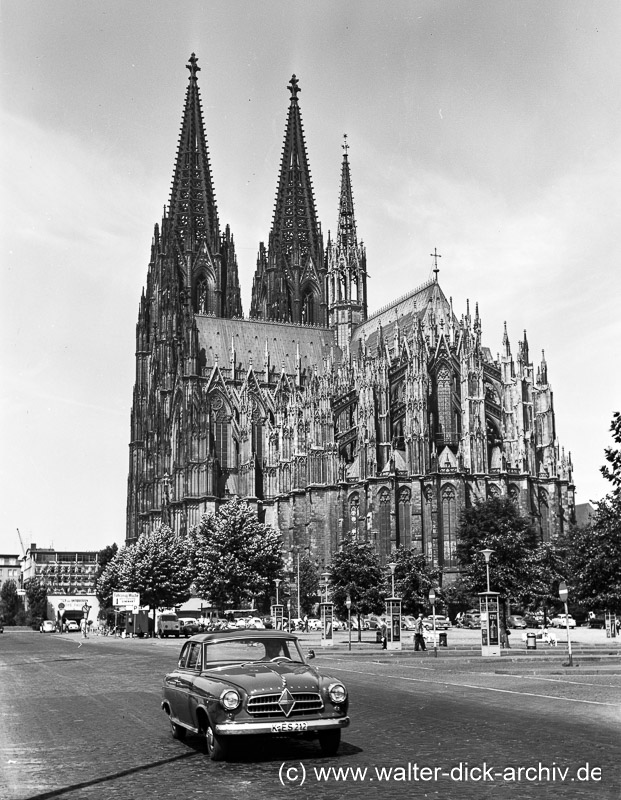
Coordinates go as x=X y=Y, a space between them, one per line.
x=9 y=602
x=104 y=557
x=36 y=596
x=414 y=576
x=157 y=566
x=235 y=557
x=613 y=455
x=309 y=584
x=497 y=524
x=356 y=571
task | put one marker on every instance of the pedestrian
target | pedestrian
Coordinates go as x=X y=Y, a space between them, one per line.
x=83 y=627
x=384 y=635
x=305 y=623
x=419 y=634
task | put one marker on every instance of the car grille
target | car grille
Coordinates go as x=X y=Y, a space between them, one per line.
x=268 y=705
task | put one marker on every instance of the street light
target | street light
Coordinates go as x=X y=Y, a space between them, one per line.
x=296 y=550
x=326 y=578
x=563 y=593
x=277 y=581
x=392 y=566
x=432 y=600
x=486 y=554
x=348 y=604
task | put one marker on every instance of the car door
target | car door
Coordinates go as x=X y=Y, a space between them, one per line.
x=186 y=676
x=173 y=683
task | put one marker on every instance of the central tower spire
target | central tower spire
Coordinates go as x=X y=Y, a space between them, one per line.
x=289 y=281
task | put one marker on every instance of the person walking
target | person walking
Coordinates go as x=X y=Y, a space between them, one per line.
x=384 y=635
x=419 y=634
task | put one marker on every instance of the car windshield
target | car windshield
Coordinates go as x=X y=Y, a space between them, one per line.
x=247 y=649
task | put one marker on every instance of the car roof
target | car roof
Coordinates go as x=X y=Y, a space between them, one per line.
x=220 y=636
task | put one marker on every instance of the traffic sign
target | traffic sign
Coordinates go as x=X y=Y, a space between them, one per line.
x=126 y=599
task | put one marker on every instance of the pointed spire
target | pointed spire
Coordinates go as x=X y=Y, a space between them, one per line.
x=192 y=206
x=346 y=233
x=290 y=287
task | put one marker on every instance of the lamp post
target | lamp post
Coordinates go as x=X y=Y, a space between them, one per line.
x=392 y=566
x=296 y=550
x=326 y=576
x=277 y=581
x=432 y=600
x=563 y=593
x=348 y=604
x=486 y=554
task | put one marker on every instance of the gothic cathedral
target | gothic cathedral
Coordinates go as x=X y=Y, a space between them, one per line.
x=329 y=419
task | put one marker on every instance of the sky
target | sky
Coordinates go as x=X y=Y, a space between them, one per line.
x=489 y=130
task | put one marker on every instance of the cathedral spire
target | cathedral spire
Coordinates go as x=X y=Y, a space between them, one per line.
x=192 y=206
x=346 y=231
x=289 y=281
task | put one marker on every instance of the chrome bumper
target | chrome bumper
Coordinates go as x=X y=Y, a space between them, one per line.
x=241 y=728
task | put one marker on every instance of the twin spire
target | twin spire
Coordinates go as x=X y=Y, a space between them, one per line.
x=290 y=279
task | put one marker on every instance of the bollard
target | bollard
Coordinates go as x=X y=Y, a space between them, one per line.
x=531 y=641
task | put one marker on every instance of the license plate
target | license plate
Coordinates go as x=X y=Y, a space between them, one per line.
x=288 y=727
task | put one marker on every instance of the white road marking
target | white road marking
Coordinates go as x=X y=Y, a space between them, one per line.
x=480 y=688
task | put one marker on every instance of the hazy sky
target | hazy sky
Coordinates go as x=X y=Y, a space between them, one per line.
x=490 y=130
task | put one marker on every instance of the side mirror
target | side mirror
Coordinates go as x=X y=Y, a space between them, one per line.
x=310 y=655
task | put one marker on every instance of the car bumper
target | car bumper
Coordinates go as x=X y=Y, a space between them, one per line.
x=252 y=727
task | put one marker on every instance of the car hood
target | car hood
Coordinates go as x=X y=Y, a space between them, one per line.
x=262 y=678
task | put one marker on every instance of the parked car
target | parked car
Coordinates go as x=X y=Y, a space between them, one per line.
x=255 y=622
x=72 y=626
x=596 y=620
x=189 y=627
x=168 y=625
x=516 y=621
x=47 y=626
x=562 y=621
x=314 y=624
x=234 y=684
x=442 y=623
x=408 y=622
x=471 y=619
x=267 y=622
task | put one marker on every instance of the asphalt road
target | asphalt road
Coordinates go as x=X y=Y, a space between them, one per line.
x=81 y=719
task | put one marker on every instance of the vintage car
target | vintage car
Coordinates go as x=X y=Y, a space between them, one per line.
x=47 y=626
x=229 y=684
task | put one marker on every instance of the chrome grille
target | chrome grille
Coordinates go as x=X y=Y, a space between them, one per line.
x=267 y=705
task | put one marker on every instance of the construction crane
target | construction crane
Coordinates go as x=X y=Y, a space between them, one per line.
x=21 y=543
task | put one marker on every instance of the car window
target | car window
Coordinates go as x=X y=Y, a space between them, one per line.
x=184 y=655
x=243 y=650
x=194 y=656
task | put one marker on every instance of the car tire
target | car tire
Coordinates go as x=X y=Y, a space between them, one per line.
x=217 y=749
x=329 y=741
x=177 y=731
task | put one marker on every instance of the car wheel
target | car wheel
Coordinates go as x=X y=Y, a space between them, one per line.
x=177 y=731
x=329 y=742
x=216 y=747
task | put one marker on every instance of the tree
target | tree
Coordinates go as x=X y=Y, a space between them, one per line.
x=613 y=455
x=356 y=571
x=9 y=602
x=157 y=566
x=497 y=524
x=235 y=557
x=414 y=576
x=36 y=596
x=104 y=557
x=309 y=584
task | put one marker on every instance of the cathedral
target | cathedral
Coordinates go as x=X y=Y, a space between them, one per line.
x=330 y=418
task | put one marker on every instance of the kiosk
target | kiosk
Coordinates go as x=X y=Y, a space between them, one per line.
x=490 y=623
x=277 y=616
x=393 y=633
x=327 y=627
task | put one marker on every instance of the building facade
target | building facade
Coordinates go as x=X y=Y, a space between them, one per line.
x=329 y=419
x=10 y=569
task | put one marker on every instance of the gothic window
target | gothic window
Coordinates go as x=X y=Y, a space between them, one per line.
x=444 y=403
x=308 y=308
x=544 y=511
x=354 y=513
x=405 y=497
x=384 y=522
x=449 y=526
x=204 y=296
x=220 y=432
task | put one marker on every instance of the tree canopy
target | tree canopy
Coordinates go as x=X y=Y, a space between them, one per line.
x=414 y=577
x=235 y=558
x=356 y=571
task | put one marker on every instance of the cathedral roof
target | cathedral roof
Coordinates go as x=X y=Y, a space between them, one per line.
x=251 y=338
x=407 y=311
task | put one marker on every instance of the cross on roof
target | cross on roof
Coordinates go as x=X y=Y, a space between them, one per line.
x=435 y=255
x=345 y=146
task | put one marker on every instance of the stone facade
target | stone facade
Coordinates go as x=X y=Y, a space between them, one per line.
x=327 y=419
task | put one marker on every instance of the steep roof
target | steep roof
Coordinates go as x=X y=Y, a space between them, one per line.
x=251 y=337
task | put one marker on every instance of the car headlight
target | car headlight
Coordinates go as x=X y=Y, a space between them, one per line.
x=230 y=699
x=337 y=693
